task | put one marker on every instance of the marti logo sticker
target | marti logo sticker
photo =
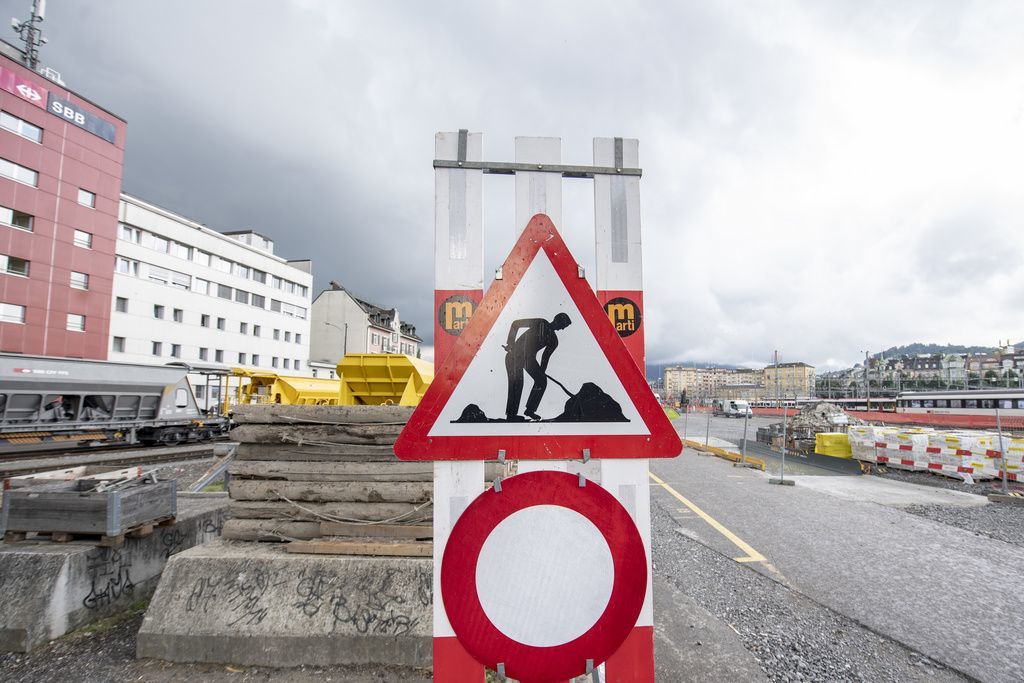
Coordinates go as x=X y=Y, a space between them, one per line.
x=454 y=313
x=624 y=315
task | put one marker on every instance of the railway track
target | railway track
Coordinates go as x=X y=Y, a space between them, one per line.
x=31 y=463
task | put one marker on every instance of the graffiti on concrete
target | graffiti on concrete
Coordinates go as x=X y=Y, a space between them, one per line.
x=241 y=593
x=109 y=572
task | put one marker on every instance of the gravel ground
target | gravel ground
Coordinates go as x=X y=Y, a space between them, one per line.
x=1000 y=521
x=793 y=637
x=186 y=472
x=106 y=652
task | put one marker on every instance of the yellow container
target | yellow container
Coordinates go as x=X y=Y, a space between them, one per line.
x=375 y=379
x=834 y=444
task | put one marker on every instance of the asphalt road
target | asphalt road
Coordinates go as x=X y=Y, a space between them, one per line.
x=846 y=546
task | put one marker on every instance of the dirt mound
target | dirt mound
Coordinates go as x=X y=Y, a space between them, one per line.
x=591 y=404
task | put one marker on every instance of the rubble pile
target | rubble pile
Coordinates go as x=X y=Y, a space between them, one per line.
x=802 y=429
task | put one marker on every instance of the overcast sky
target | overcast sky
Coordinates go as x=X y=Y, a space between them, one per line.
x=819 y=178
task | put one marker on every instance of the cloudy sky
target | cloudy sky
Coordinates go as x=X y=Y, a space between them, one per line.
x=819 y=177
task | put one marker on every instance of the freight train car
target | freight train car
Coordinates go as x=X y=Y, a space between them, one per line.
x=53 y=402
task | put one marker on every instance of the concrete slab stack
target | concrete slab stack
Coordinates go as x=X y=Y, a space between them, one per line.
x=298 y=466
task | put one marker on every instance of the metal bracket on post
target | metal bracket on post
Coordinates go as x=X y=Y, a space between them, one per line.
x=595 y=677
x=586 y=455
x=580 y=272
x=497 y=273
x=501 y=455
x=497 y=485
x=565 y=170
x=501 y=671
x=583 y=480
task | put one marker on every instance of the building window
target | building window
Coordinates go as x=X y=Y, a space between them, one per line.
x=242 y=271
x=13 y=265
x=259 y=276
x=200 y=392
x=287 y=336
x=297 y=365
x=86 y=198
x=84 y=239
x=241 y=296
x=241 y=359
x=175 y=350
x=178 y=315
x=275 y=305
x=277 y=335
x=12 y=313
x=243 y=328
x=259 y=301
x=19 y=173
x=157 y=274
x=218 y=355
x=121 y=304
x=181 y=250
x=15 y=219
x=255 y=330
x=255 y=359
x=203 y=353
x=201 y=257
x=180 y=280
x=200 y=286
x=75 y=322
x=204 y=320
x=223 y=265
x=221 y=323
x=79 y=280
x=273 y=362
x=286 y=361
x=224 y=292
x=118 y=345
x=158 y=348
x=128 y=233
x=161 y=244
x=127 y=266
x=20 y=127
x=158 y=311
x=298 y=338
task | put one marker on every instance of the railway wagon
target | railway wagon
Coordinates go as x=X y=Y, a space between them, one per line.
x=54 y=402
x=1010 y=402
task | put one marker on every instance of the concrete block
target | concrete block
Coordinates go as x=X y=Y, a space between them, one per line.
x=256 y=605
x=50 y=589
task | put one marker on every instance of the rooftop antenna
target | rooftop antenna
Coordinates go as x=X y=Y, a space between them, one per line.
x=31 y=34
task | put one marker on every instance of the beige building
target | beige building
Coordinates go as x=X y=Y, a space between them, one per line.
x=701 y=383
x=794 y=379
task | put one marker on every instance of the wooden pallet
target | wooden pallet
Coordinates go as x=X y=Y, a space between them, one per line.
x=138 y=531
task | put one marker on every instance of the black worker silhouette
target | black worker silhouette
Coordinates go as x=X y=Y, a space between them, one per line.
x=527 y=338
x=538 y=336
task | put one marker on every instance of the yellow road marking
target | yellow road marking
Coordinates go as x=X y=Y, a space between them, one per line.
x=751 y=554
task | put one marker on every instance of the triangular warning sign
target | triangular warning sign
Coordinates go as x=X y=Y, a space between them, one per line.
x=539 y=373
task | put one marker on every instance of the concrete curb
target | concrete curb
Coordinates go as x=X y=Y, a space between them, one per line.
x=732 y=456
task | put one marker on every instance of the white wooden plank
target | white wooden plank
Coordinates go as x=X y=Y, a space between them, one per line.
x=617 y=218
x=458 y=216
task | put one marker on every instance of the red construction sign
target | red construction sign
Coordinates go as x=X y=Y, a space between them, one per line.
x=543 y=603
x=539 y=372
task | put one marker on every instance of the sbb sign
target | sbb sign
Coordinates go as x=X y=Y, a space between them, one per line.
x=73 y=114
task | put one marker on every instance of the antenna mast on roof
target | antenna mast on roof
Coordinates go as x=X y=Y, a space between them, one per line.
x=31 y=34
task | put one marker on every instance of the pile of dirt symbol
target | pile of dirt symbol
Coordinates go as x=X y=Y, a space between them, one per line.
x=812 y=419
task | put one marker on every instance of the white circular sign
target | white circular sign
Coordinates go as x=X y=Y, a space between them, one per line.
x=544 y=575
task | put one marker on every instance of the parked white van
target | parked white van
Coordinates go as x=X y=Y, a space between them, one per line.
x=732 y=408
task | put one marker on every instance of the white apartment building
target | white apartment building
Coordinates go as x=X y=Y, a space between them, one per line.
x=343 y=323
x=184 y=293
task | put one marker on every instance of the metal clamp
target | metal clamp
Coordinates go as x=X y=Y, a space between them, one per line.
x=497 y=485
x=586 y=455
x=501 y=455
x=595 y=676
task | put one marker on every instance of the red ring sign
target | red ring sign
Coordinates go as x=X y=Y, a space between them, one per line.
x=560 y=497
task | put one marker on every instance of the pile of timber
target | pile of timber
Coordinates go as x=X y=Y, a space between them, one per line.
x=326 y=479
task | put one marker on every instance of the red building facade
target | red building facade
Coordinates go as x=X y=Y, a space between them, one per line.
x=61 y=161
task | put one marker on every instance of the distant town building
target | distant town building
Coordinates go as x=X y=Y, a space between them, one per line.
x=343 y=323
x=789 y=379
x=185 y=293
x=61 y=160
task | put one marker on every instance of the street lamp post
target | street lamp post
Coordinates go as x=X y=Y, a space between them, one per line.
x=344 y=336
